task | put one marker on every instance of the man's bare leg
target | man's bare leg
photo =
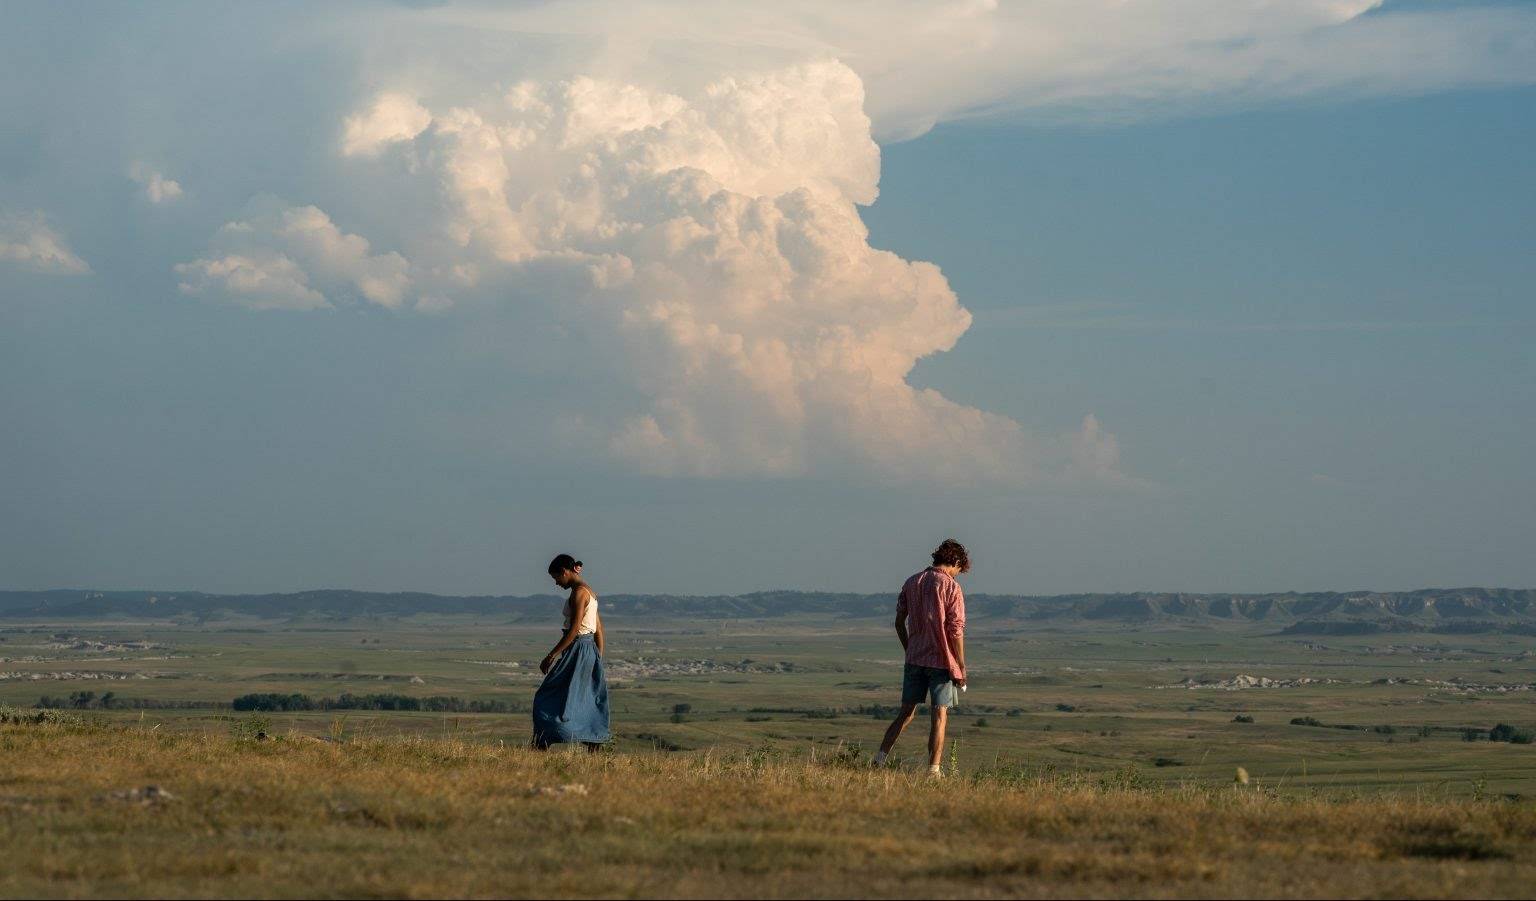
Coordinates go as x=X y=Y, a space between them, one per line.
x=936 y=737
x=893 y=732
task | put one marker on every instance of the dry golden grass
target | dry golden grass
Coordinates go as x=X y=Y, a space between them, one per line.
x=299 y=817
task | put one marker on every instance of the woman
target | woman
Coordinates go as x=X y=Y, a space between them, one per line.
x=572 y=703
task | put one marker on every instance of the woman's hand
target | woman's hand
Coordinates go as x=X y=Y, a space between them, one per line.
x=546 y=663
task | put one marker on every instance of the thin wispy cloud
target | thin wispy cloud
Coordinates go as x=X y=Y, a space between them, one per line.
x=30 y=242
x=929 y=62
x=1114 y=317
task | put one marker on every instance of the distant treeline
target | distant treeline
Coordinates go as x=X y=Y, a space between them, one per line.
x=1501 y=732
x=90 y=700
x=875 y=711
x=107 y=700
x=276 y=701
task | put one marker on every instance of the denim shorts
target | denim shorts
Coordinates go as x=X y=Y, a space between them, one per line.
x=919 y=683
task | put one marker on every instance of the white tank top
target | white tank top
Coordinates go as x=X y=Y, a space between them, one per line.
x=588 y=619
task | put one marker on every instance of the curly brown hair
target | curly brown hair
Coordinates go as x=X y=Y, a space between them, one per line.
x=952 y=553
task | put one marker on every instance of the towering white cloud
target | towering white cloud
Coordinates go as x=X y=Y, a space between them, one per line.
x=28 y=241
x=294 y=258
x=712 y=242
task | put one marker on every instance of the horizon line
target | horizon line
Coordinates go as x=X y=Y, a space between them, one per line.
x=1140 y=591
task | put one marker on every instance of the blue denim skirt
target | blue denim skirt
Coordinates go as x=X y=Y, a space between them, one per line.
x=572 y=703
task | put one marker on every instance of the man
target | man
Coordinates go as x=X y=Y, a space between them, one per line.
x=930 y=621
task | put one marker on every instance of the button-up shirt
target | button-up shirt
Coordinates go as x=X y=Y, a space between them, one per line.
x=935 y=609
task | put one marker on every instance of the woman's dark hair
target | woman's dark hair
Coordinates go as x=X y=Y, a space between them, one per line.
x=562 y=563
x=952 y=553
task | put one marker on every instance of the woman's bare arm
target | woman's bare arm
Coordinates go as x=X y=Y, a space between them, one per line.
x=599 y=636
x=580 y=598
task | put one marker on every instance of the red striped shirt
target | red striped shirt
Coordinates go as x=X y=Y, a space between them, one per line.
x=935 y=609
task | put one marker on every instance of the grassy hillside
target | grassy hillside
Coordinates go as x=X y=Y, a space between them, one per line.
x=299 y=816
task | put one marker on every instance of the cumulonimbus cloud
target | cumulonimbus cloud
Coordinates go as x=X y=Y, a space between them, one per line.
x=717 y=248
x=28 y=240
x=682 y=180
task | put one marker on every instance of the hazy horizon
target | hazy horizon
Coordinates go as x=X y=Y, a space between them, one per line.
x=891 y=591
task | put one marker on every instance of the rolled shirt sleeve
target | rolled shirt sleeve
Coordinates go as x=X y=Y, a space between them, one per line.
x=954 y=618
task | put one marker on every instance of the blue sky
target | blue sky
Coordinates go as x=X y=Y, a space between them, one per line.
x=1292 y=290
x=1312 y=326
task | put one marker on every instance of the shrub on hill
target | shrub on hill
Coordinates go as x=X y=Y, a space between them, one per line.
x=1512 y=734
x=272 y=701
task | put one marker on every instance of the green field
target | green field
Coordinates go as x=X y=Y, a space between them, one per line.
x=1078 y=698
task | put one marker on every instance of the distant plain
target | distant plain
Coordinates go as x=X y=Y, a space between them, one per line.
x=1389 y=712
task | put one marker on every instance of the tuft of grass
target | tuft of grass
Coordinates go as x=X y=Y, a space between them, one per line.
x=251 y=727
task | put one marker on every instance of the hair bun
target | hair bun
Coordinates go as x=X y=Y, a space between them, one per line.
x=562 y=563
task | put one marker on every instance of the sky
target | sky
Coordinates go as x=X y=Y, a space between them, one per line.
x=1175 y=295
